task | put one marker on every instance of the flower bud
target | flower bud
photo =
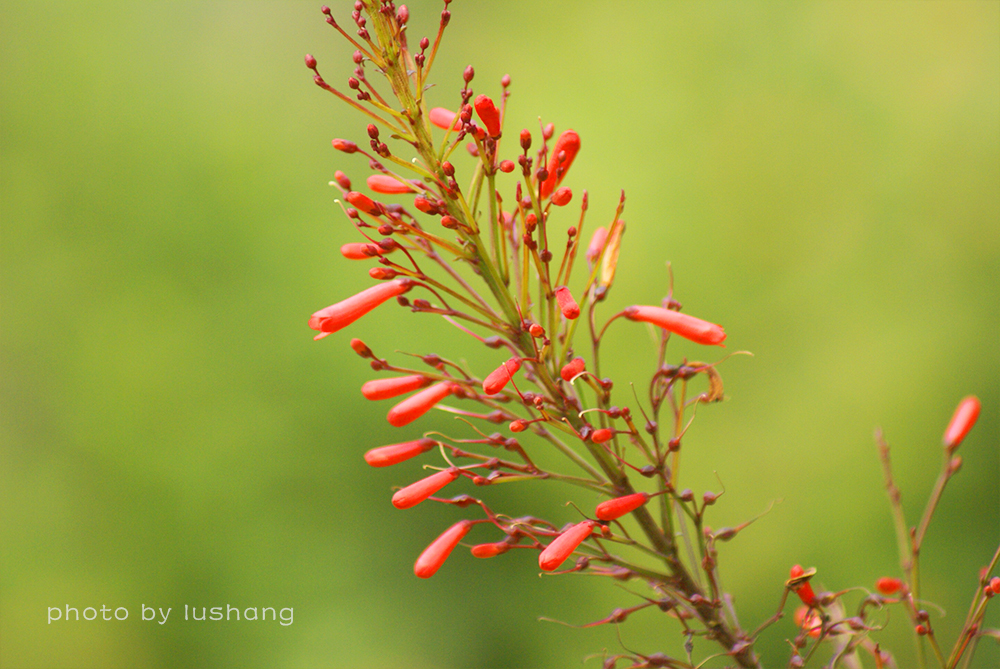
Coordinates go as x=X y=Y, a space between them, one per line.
x=364 y=203
x=392 y=454
x=417 y=492
x=888 y=586
x=382 y=389
x=564 y=545
x=689 y=327
x=567 y=305
x=434 y=555
x=599 y=437
x=562 y=197
x=388 y=185
x=961 y=422
x=619 y=506
x=490 y=550
x=799 y=584
x=345 y=145
x=342 y=180
x=498 y=378
x=489 y=114
x=417 y=405
x=572 y=369
x=566 y=148
x=345 y=312
x=597 y=243
x=444 y=118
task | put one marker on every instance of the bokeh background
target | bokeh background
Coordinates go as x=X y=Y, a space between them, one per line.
x=824 y=178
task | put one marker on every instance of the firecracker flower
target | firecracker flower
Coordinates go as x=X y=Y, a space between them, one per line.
x=480 y=226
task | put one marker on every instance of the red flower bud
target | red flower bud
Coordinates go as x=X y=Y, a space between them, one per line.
x=498 y=378
x=507 y=166
x=887 y=585
x=619 y=506
x=417 y=405
x=342 y=180
x=364 y=203
x=518 y=425
x=536 y=330
x=383 y=389
x=345 y=312
x=963 y=420
x=572 y=368
x=425 y=205
x=562 y=156
x=360 y=250
x=563 y=545
x=388 y=185
x=490 y=550
x=689 y=327
x=799 y=583
x=599 y=437
x=444 y=118
x=562 y=197
x=434 y=555
x=597 y=243
x=361 y=348
x=392 y=454
x=489 y=113
x=567 y=305
x=345 y=145
x=995 y=585
x=417 y=492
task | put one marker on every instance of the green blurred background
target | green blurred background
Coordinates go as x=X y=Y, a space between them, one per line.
x=823 y=177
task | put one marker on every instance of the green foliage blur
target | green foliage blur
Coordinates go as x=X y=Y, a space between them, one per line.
x=823 y=177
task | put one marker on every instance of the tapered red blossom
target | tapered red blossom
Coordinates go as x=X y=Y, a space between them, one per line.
x=499 y=377
x=602 y=435
x=689 y=327
x=364 y=203
x=383 y=389
x=388 y=185
x=799 y=583
x=619 y=506
x=416 y=406
x=562 y=156
x=418 y=491
x=345 y=145
x=489 y=114
x=360 y=250
x=445 y=118
x=490 y=550
x=597 y=243
x=563 y=545
x=572 y=368
x=345 y=312
x=567 y=305
x=434 y=555
x=961 y=422
x=384 y=456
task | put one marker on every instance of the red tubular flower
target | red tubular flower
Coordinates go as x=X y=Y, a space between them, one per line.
x=597 y=243
x=342 y=180
x=392 y=454
x=963 y=420
x=567 y=305
x=364 y=203
x=417 y=492
x=417 y=405
x=489 y=113
x=619 y=506
x=499 y=377
x=560 y=549
x=490 y=550
x=434 y=555
x=888 y=586
x=360 y=250
x=572 y=369
x=345 y=145
x=689 y=327
x=387 y=185
x=345 y=312
x=799 y=583
x=383 y=389
x=599 y=437
x=445 y=118
x=567 y=146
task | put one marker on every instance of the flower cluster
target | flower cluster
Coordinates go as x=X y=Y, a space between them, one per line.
x=494 y=255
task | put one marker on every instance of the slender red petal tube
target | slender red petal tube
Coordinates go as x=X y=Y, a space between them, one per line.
x=418 y=491
x=689 y=327
x=434 y=555
x=490 y=550
x=415 y=406
x=345 y=312
x=387 y=185
x=567 y=305
x=383 y=456
x=499 y=377
x=567 y=146
x=619 y=506
x=360 y=250
x=597 y=243
x=345 y=145
x=963 y=420
x=564 y=544
x=802 y=588
x=383 y=389
x=445 y=118
x=572 y=368
x=600 y=436
x=489 y=113
x=364 y=203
